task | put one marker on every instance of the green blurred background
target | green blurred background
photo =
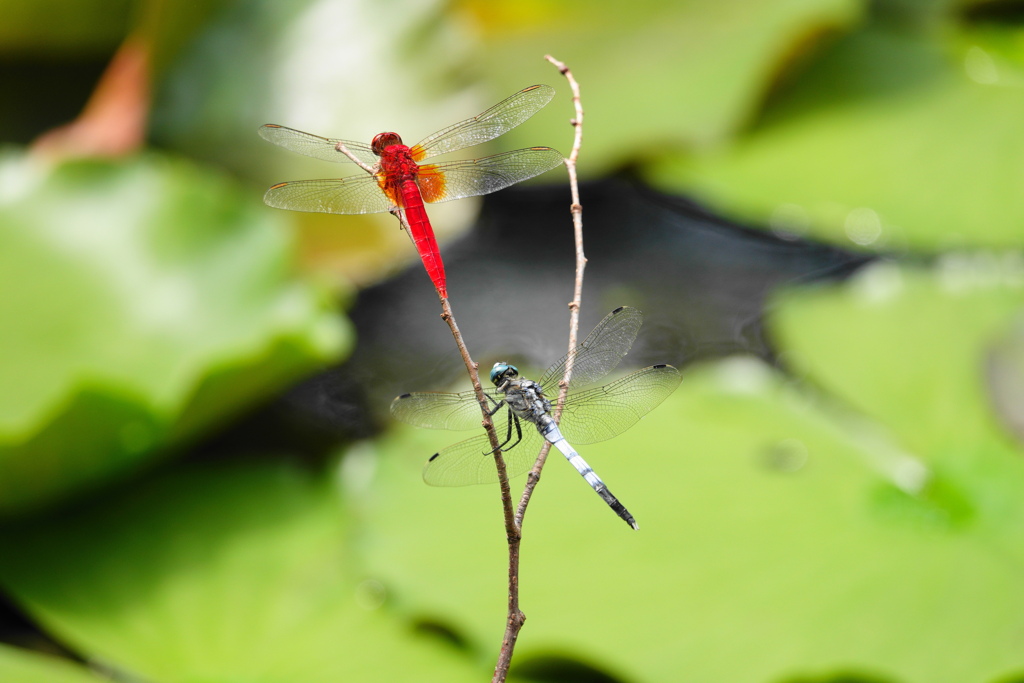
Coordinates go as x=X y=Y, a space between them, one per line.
x=818 y=205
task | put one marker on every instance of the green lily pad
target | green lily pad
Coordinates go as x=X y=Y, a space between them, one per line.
x=924 y=334
x=926 y=337
x=652 y=74
x=148 y=300
x=783 y=534
x=224 y=573
x=31 y=667
x=888 y=141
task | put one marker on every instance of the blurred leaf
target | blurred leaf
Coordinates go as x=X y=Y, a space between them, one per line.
x=218 y=573
x=170 y=26
x=920 y=16
x=30 y=667
x=924 y=335
x=652 y=74
x=888 y=141
x=153 y=299
x=50 y=27
x=762 y=510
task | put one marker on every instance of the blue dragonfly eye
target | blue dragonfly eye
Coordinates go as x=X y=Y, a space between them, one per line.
x=502 y=370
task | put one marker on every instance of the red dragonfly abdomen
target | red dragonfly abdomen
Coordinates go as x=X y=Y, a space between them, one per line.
x=423 y=235
x=397 y=178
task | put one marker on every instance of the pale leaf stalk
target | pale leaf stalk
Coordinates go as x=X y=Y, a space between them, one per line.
x=356 y=160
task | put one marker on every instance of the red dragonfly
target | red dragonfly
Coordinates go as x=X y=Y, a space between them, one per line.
x=396 y=180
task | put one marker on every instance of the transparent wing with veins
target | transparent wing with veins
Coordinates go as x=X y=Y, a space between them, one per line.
x=351 y=195
x=600 y=413
x=473 y=177
x=443 y=410
x=496 y=121
x=470 y=461
x=590 y=416
x=315 y=146
x=599 y=353
x=438 y=183
x=442 y=182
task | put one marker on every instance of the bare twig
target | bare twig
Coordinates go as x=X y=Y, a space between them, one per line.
x=358 y=162
x=472 y=367
x=515 y=616
x=581 y=263
x=514 y=622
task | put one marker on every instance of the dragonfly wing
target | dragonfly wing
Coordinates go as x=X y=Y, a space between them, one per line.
x=316 y=146
x=442 y=410
x=599 y=353
x=496 y=121
x=603 y=412
x=470 y=461
x=351 y=195
x=458 y=179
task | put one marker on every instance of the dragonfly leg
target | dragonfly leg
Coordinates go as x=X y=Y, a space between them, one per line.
x=508 y=437
x=497 y=406
x=519 y=432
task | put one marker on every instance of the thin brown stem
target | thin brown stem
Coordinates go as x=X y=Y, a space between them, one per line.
x=515 y=616
x=488 y=424
x=581 y=263
x=515 y=619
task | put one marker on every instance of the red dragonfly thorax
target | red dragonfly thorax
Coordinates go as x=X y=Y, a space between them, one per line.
x=397 y=167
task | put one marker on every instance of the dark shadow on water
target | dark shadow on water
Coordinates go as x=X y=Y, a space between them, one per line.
x=701 y=281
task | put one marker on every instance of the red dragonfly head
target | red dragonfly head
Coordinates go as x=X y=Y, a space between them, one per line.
x=384 y=140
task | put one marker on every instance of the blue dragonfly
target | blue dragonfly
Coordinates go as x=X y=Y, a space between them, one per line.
x=591 y=414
